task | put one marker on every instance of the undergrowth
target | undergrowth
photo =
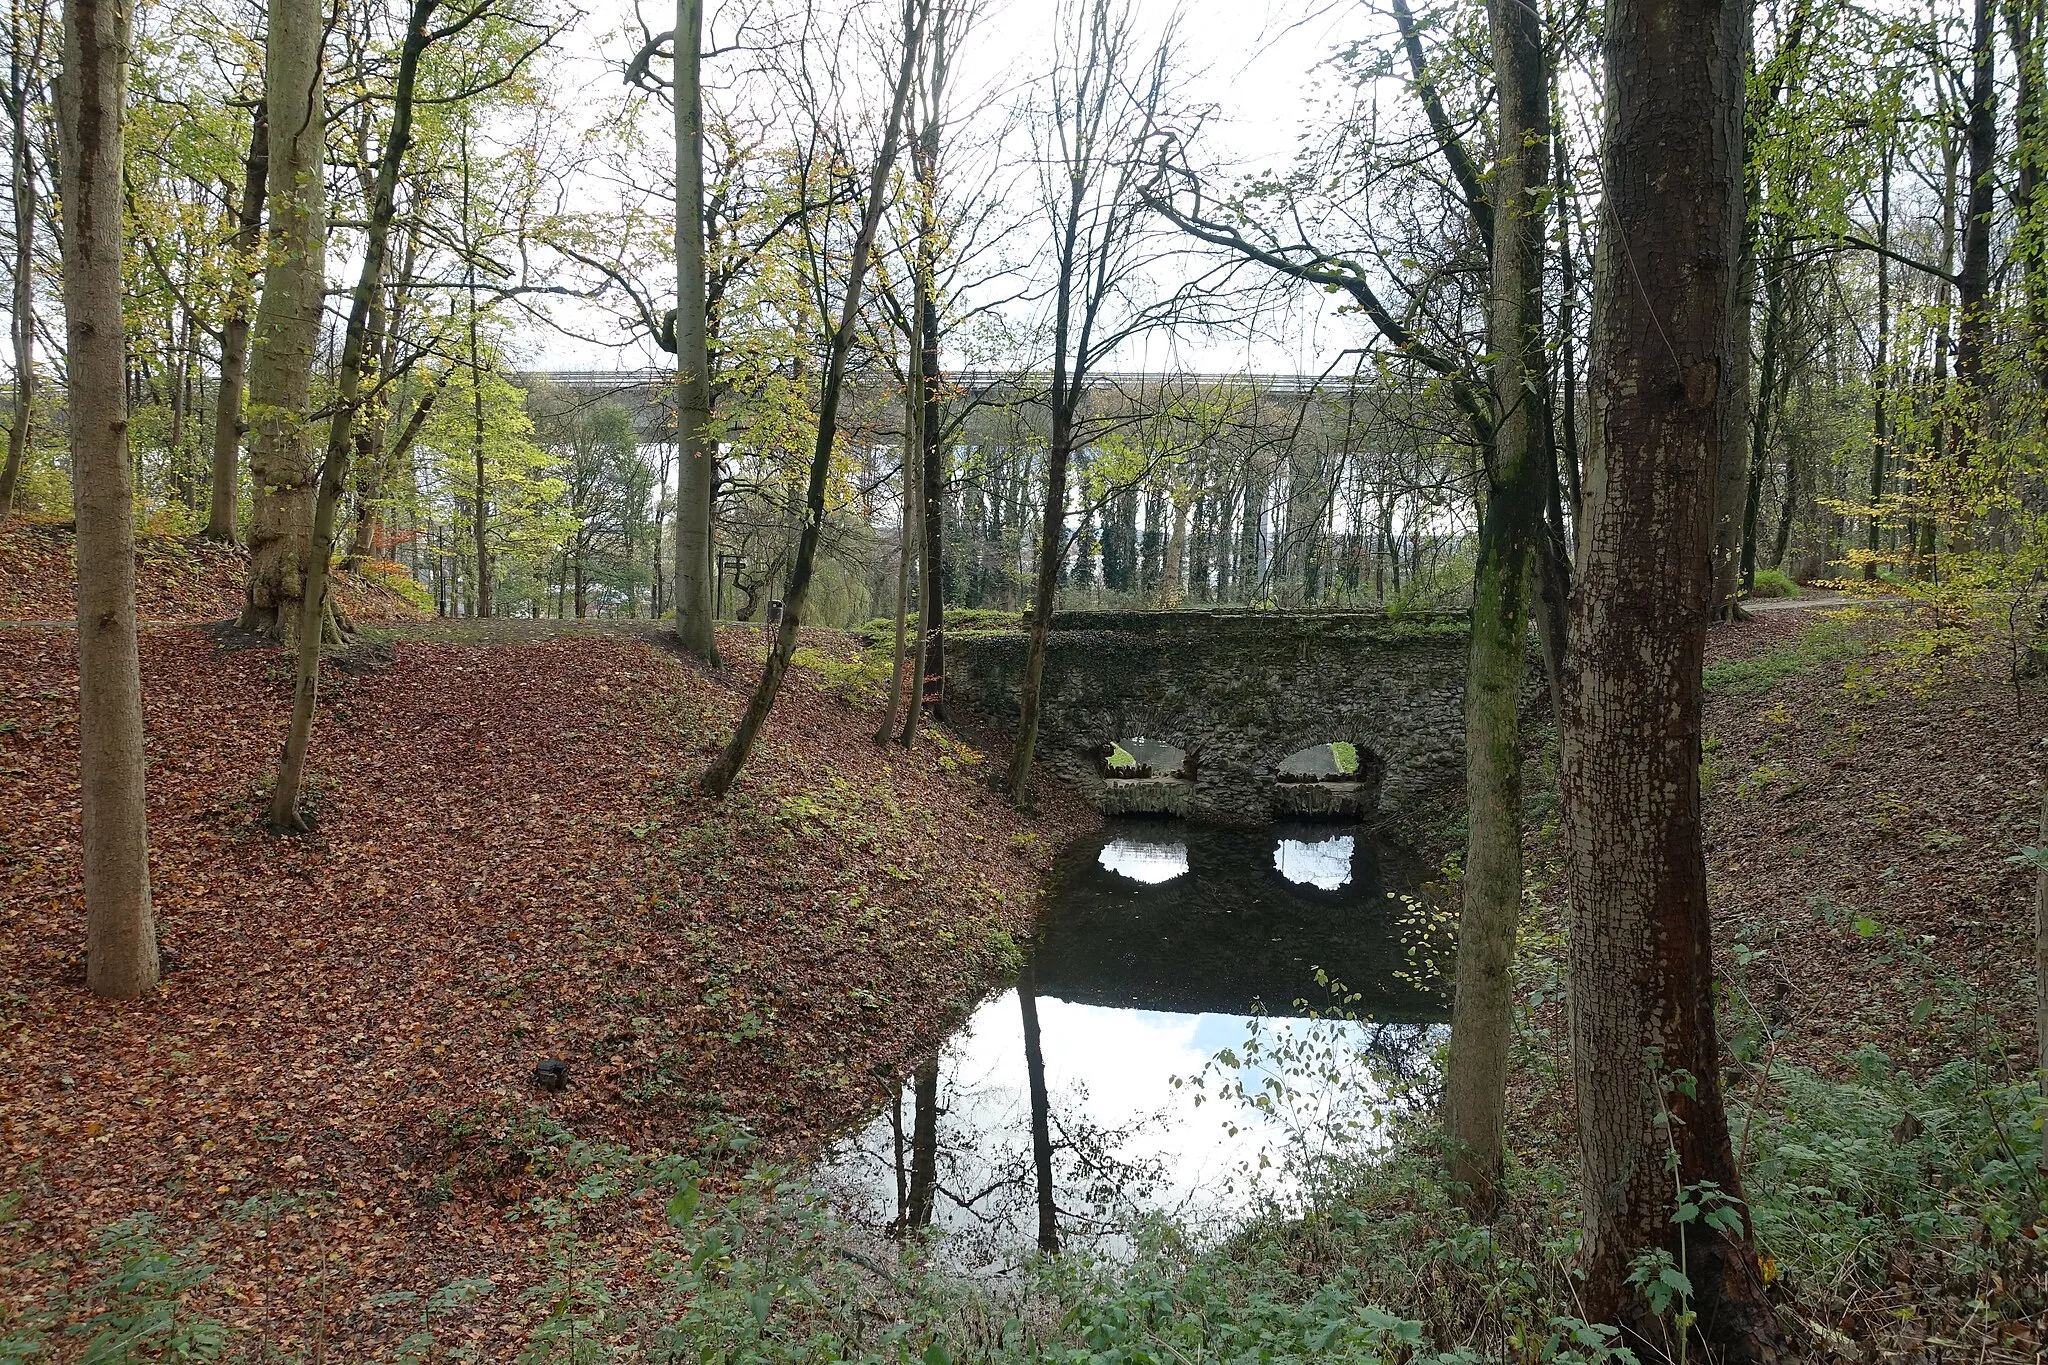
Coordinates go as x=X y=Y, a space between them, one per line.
x=1870 y=1195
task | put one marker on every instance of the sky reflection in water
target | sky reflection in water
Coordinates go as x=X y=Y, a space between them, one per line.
x=1158 y=947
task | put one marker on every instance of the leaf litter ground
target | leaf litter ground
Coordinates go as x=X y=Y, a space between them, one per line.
x=510 y=866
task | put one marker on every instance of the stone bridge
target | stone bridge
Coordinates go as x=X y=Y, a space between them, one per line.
x=1243 y=693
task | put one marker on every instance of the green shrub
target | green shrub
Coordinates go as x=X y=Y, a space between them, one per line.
x=862 y=680
x=1773 y=583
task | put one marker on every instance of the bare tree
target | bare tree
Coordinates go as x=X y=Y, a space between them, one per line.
x=121 y=954
x=1519 y=480
x=1103 y=106
x=839 y=338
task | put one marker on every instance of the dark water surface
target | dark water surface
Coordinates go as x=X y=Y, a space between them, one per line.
x=1162 y=945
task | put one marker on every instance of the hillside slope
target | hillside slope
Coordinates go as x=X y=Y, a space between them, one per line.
x=331 y=1091
x=177 y=578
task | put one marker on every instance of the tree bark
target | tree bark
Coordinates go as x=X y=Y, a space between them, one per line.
x=287 y=327
x=1645 y=1055
x=913 y=444
x=120 y=928
x=697 y=478
x=224 y=495
x=1975 y=312
x=23 y=59
x=1520 y=475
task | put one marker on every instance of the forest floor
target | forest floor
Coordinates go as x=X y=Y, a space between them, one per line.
x=330 y=1099
x=1862 y=809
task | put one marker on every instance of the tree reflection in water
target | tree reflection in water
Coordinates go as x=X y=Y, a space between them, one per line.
x=1162 y=1054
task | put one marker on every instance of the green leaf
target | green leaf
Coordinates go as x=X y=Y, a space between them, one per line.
x=1675 y=1279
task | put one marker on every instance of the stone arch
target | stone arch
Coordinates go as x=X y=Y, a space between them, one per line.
x=1308 y=779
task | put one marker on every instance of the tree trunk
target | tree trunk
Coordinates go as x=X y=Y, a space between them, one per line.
x=1051 y=537
x=21 y=76
x=285 y=814
x=1763 y=408
x=1482 y=1017
x=718 y=778
x=1880 y=373
x=1645 y=1056
x=697 y=478
x=120 y=928
x=1975 y=312
x=287 y=327
x=913 y=442
x=930 y=694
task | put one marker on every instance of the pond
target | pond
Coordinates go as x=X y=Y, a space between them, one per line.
x=1174 y=982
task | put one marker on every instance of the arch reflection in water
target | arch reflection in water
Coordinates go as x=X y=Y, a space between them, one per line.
x=1322 y=863
x=1135 y=984
x=1147 y=860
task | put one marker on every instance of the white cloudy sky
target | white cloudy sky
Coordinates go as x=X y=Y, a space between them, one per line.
x=1255 y=61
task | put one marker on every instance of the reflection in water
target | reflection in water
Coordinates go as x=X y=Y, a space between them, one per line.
x=1063 y=1107
x=1144 y=860
x=1324 y=864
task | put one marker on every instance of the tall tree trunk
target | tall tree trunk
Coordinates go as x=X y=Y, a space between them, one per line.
x=120 y=928
x=285 y=814
x=1051 y=538
x=24 y=53
x=1976 y=314
x=697 y=480
x=287 y=327
x=718 y=778
x=1763 y=408
x=930 y=694
x=1482 y=1017
x=1880 y=373
x=1645 y=1056
x=913 y=443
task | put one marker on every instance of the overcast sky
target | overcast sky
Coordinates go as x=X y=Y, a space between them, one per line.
x=1256 y=61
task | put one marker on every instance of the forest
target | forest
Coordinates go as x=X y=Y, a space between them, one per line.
x=1082 y=681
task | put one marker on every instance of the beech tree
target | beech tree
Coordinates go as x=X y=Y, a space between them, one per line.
x=121 y=951
x=697 y=453
x=27 y=36
x=1646 y=1061
x=287 y=325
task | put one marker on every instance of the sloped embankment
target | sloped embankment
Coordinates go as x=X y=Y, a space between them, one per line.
x=331 y=1092
x=177 y=578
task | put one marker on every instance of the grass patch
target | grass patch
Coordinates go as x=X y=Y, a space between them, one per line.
x=1823 y=642
x=1345 y=754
